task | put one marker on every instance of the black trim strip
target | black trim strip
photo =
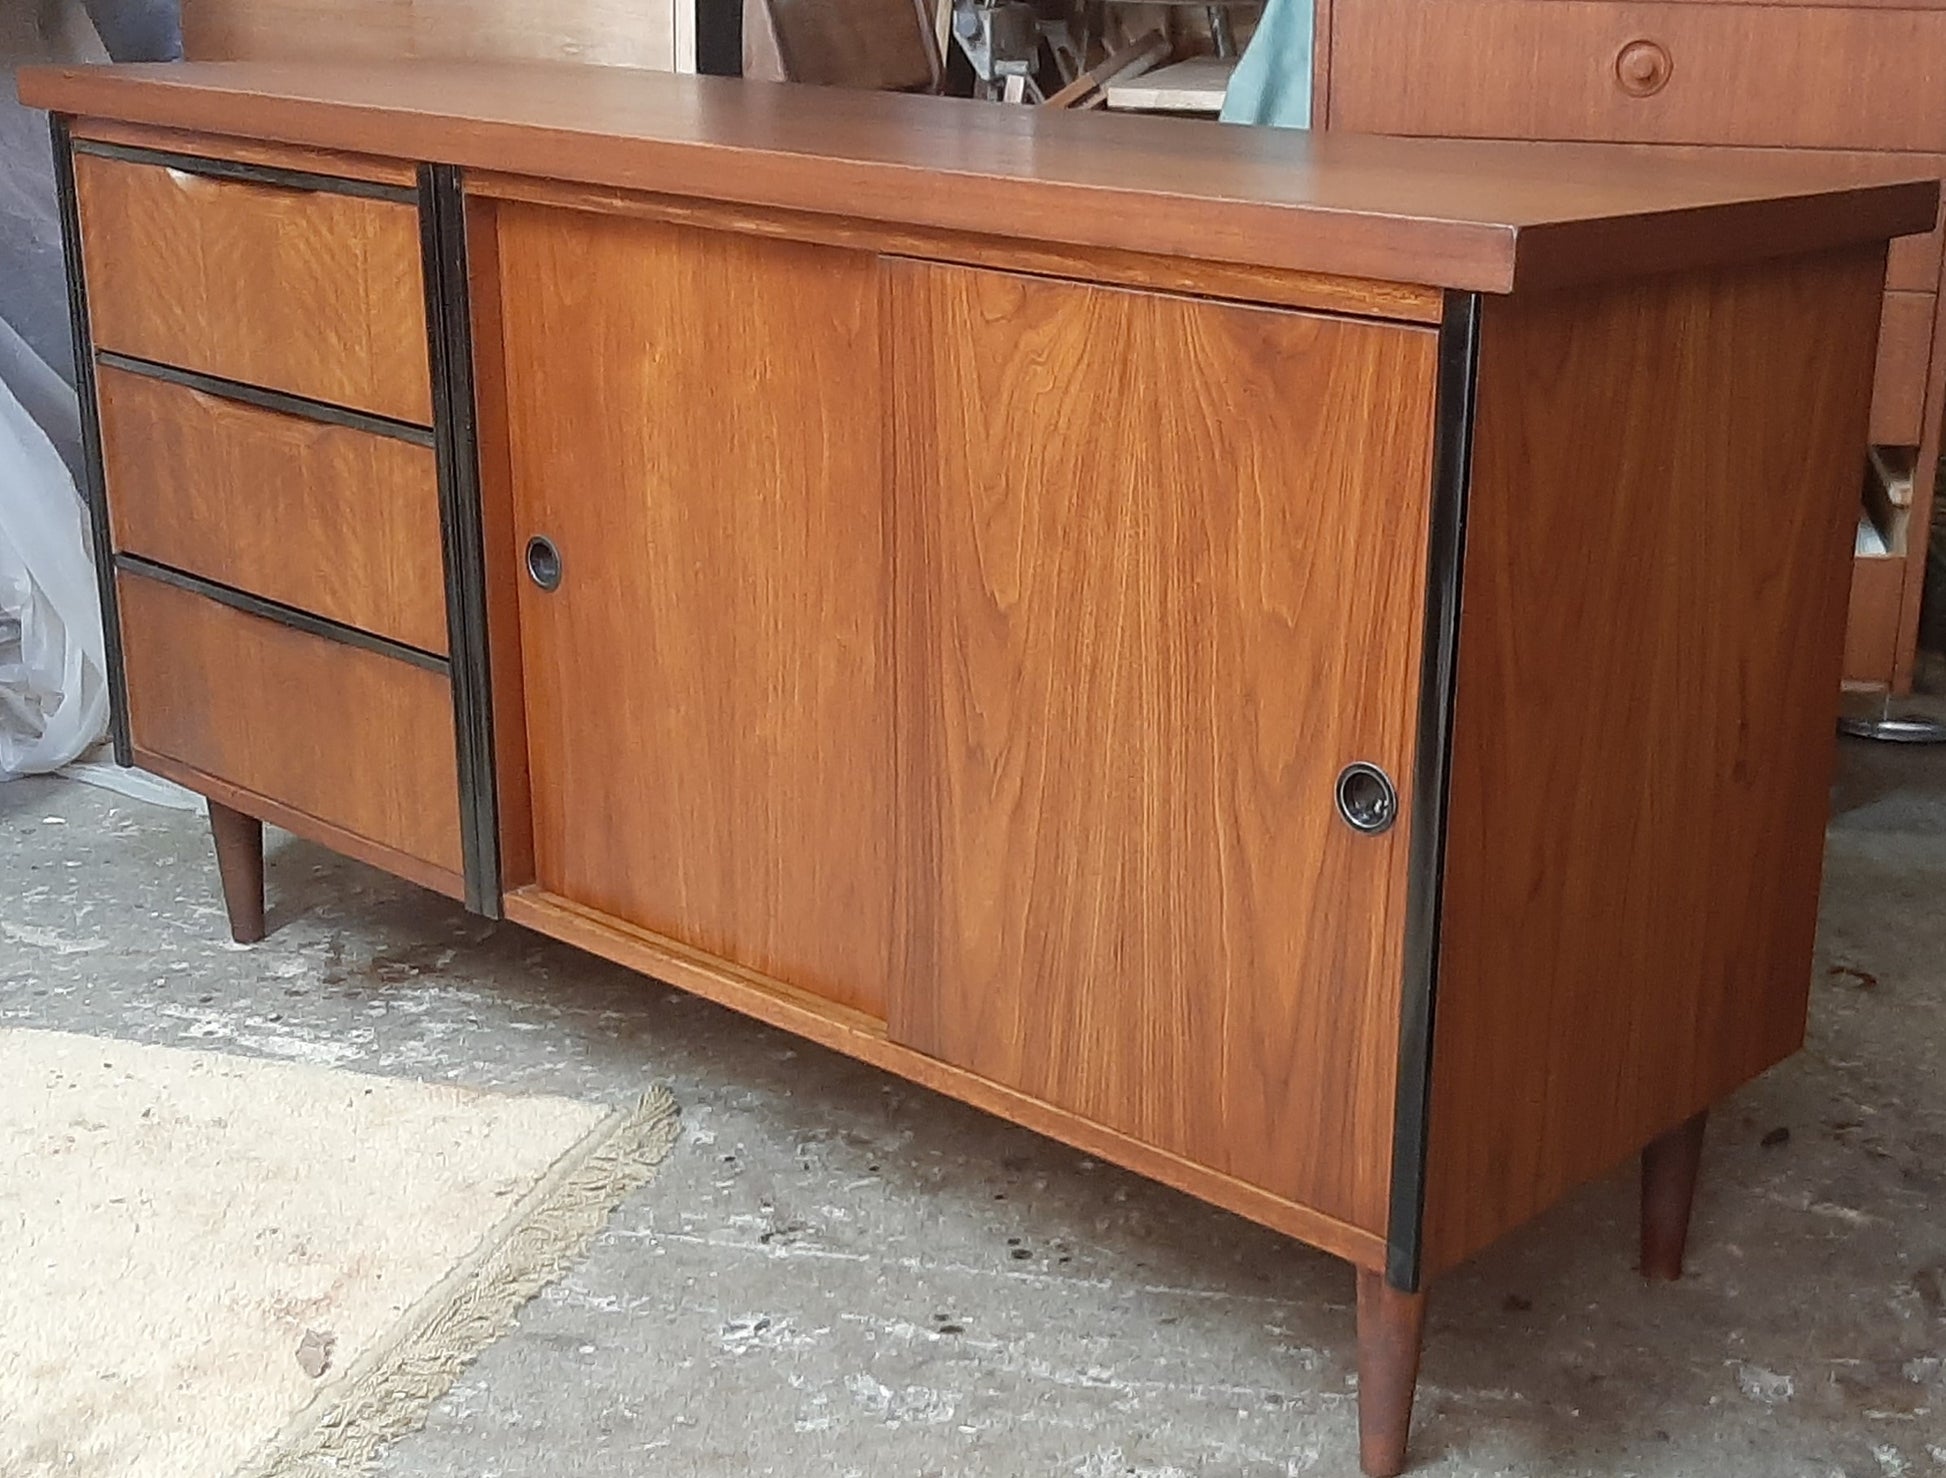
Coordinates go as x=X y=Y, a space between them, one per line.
x=283 y=615
x=1452 y=472
x=253 y=174
x=281 y=401
x=449 y=323
x=96 y=490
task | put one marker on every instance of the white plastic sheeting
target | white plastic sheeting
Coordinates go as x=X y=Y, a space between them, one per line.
x=53 y=665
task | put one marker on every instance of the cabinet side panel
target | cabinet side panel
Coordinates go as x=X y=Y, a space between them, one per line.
x=1162 y=567
x=1665 y=481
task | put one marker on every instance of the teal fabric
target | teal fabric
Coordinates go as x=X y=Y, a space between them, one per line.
x=1272 y=82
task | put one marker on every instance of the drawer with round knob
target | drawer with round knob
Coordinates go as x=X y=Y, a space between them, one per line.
x=1772 y=75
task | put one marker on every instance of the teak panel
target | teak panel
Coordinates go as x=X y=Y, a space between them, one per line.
x=1141 y=634
x=1444 y=213
x=306 y=291
x=1904 y=356
x=708 y=693
x=1768 y=75
x=1642 y=746
x=359 y=741
x=326 y=518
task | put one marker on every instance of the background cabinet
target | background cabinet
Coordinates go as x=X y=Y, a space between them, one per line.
x=1140 y=635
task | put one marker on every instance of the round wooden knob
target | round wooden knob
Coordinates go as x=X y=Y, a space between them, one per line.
x=1643 y=68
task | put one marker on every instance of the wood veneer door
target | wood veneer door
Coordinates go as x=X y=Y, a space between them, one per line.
x=1161 y=564
x=694 y=419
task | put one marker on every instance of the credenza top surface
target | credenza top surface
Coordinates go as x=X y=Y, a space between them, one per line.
x=1470 y=215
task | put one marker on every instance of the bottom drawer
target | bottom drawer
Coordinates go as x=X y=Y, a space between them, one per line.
x=1872 y=625
x=356 y=740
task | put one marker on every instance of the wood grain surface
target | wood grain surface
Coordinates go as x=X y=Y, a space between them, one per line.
x=314 y=293
x=360 y=741
x=1642 y=743
x=863 y=1037
x=251 y=151
x=1128 y=269
x=1141 y=635
x=326 y=518
x=1905 y=338
x=617 y=33
x=1837 y=77
x=708 y=693
x=1435 y=213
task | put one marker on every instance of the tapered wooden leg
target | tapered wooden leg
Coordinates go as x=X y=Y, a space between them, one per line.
x=1668 y=1190
x=1390 y=1324
x=240 y=861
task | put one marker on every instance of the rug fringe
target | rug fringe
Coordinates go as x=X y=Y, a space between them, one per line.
x=388 y=1393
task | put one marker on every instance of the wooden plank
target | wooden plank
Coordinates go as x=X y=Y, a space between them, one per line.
x=325 y=518
x=1642 y=747
x=305 y=291
x=616 y=33
x=1471 y=215
x=1131 y=60
x=862 y=1037
x=359 y=741
x=1195 y=85
x=708 y=692
x=1122 y=731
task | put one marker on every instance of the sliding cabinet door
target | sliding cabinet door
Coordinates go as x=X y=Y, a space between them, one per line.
x=695 y=422
x=1160 y=564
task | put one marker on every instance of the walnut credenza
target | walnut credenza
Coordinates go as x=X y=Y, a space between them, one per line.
x=1303 y=666
x=1761 y=83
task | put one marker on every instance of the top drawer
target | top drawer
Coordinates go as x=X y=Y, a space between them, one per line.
x=1790 y=75
x=312 y=292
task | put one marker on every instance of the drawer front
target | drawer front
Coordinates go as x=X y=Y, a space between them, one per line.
x=1872 y=624
x=1766 y=75
x=360 y=741
x=330 y=519
x=1904 y=356
x=307 y=291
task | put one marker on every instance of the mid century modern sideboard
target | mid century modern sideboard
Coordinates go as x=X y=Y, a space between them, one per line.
x=1300 y=665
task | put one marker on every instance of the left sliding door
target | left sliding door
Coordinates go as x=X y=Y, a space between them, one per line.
x=694 y=430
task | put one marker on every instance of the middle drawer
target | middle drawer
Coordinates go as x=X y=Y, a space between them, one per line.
x=337 y=521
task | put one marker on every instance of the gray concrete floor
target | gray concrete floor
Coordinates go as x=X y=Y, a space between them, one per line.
x=839 y=1274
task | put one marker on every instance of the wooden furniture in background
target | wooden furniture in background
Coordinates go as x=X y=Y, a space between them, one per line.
x=1118 y=640
x=656 y=34
x=1852 y=82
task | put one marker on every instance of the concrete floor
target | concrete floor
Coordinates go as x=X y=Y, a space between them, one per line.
x=838 y=1274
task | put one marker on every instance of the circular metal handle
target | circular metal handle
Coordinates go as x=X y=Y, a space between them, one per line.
x=1367 y=799
x=1643 y=68
x=543 y=562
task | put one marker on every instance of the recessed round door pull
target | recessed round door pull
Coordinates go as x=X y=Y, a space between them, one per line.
x=543 y=562
x=1367 y=798
x=1643 y=68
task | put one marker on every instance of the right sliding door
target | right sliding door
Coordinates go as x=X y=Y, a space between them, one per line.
x=1160 y=564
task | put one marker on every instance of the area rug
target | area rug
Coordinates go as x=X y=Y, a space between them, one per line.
x=220 y=1267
